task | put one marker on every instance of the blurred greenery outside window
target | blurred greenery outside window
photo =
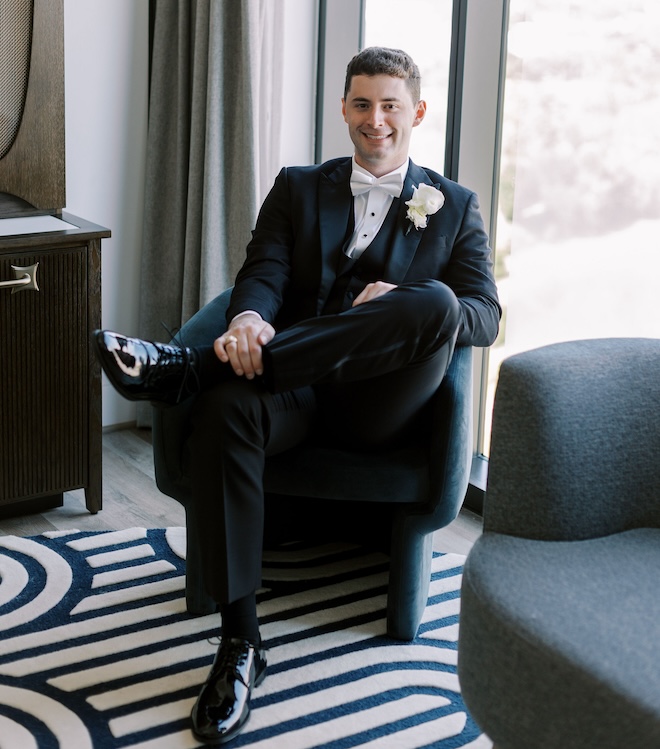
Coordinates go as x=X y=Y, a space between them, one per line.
x=578 y=226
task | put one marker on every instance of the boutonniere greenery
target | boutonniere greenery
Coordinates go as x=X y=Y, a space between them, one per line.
x=426 y=201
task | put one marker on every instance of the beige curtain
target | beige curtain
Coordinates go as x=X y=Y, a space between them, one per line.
x=213 y=147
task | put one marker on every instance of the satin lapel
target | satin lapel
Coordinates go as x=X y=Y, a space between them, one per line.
x=406 y=238
x=335 y=205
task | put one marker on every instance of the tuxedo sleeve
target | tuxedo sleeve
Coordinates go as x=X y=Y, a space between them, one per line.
x=469 y=274
x=262 y=281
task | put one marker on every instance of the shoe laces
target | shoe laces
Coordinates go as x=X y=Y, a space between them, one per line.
x=231 y=655
x=182 y=353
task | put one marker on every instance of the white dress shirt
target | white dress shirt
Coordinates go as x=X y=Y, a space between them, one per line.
x=370 y=209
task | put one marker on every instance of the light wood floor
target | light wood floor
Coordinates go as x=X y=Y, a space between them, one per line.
x=130 y=499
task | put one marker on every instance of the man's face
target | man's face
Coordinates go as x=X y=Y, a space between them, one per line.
x=380 y=115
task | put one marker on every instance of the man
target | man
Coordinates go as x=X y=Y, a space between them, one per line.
x=361 y=276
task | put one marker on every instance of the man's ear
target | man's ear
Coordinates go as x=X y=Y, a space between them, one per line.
x=343 y=109
x=420 y=112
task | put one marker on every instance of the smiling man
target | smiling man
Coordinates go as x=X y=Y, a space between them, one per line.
x=380 y=112
x=361 y=276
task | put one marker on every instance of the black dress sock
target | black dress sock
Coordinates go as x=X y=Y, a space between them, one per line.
x=239 y=619
x=209 y=369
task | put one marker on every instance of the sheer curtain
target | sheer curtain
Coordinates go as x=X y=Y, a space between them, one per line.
x=213 y=145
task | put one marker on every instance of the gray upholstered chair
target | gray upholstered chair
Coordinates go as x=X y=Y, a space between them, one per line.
x=559 y=644
x=419 y=489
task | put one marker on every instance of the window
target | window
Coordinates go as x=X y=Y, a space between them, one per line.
x=578 y=221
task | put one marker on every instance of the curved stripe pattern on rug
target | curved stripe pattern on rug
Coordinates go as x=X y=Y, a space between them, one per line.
x=98 y=651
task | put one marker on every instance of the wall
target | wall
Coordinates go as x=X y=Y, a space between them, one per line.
x=106 y=51
x=106 y=58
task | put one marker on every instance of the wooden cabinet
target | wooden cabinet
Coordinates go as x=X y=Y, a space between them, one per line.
x=50 y=381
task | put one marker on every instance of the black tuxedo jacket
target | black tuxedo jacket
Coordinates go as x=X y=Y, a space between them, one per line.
x=292 y=258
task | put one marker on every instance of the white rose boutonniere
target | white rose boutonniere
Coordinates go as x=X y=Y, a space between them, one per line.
x=426 y=201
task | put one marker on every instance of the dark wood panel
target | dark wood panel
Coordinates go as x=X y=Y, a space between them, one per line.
x=43 y=377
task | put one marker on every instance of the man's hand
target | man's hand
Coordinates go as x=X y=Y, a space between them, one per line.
x=242 y=343
x=373 y=290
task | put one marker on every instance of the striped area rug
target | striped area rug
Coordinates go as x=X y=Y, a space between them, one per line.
x=97 y=649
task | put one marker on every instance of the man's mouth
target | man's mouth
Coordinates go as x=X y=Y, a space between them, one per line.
x=376 y=137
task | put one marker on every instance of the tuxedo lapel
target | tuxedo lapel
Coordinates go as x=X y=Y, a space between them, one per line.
x=406 y=238
x=335 y=206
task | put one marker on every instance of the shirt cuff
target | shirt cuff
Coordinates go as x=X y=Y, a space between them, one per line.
x=245 y=312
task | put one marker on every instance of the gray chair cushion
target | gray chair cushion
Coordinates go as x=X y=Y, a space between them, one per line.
x=560 y=641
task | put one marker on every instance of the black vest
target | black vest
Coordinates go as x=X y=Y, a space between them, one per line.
x=353 y=275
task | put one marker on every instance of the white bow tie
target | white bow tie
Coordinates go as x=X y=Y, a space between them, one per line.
x=391 y=183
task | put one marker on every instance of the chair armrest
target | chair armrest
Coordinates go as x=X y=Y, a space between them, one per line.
x=575 y=435
x=207 y=324
x=450 y=449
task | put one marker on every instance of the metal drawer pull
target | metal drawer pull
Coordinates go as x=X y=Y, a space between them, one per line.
x=26 y=279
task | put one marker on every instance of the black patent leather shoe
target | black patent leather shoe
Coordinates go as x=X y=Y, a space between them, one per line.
x=144 y=370
x=223 y=705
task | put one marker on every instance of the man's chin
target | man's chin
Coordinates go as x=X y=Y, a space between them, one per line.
x=378 y=161
x=376 y=150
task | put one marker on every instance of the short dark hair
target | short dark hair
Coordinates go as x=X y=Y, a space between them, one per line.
x=385 y=61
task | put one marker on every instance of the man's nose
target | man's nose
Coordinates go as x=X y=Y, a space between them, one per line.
x=377 y=118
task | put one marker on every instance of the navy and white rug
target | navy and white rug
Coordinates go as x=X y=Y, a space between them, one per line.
x=97 y=650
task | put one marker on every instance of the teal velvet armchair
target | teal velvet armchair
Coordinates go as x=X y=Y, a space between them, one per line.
x=419 y=489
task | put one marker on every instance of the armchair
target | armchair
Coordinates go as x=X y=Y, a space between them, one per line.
x=420 y=488
x=560 y=611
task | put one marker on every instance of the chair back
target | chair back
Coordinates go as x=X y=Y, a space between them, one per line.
x=576 y=425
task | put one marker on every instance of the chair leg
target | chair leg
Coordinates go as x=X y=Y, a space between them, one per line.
x=410 y=576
